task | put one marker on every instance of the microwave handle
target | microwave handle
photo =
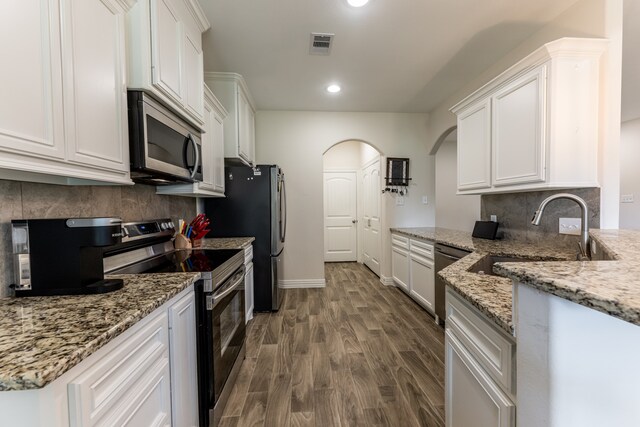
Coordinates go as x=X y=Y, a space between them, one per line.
x=185 y=147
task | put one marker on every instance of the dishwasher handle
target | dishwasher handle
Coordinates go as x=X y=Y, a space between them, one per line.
x=442 y=254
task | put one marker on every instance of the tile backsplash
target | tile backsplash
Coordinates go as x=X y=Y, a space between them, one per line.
x=32 y=200
x=515 y=211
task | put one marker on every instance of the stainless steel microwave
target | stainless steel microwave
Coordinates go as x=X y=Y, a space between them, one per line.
x=164 y=148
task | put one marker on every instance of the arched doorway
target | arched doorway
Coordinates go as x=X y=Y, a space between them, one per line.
x=352 y=204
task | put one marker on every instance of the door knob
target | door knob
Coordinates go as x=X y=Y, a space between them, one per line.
x=353 y=221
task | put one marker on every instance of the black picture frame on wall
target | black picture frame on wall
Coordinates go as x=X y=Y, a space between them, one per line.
x=397 y=171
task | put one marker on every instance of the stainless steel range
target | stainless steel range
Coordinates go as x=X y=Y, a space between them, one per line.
x=220 y=317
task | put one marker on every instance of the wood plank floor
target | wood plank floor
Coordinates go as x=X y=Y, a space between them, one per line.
x=355 y=353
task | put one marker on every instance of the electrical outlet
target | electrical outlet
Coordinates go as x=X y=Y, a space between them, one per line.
x=569 y=226
x=400 y=201
x=494 y=218
x=626 y=198
x=425 y=200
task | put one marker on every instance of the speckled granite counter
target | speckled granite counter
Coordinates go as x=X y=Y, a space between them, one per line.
x=227 y=242
x=492 y=295
x=41 y=338
x=612 y=287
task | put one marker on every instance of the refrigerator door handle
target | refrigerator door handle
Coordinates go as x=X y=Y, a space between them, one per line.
x=283 y=201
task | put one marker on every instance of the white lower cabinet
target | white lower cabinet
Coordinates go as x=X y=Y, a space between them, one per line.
x=412 y=269
x=144 y=377
x=248 y=282
x=184 y=362
x=479 y=369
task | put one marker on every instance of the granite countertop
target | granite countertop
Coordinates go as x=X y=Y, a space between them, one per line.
x=611 y=287
x=41 y=338
x=492 y=295
x=227 y=242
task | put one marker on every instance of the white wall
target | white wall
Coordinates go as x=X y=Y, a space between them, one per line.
x=296 y=140
x=586 y=18
x=345 y=156
x=452 y=211
x=630 y=173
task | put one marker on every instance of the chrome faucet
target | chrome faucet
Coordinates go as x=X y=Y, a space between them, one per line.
x=584 y=228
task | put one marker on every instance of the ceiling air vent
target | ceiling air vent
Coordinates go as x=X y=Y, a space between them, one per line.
x=321 y=43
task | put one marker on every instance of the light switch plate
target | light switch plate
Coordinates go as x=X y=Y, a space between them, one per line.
x=494 y=218
x=400 y=201
x=569 y=226
x=626 y=198
x=425 y=200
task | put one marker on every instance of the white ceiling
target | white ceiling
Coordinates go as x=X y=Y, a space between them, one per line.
x=391 y=55
x=631 y=61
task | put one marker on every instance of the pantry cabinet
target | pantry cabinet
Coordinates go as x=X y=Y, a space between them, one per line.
x=164 y=53
x=212 y=184
x=239 y=138
x=535 y=126
x=63 y=113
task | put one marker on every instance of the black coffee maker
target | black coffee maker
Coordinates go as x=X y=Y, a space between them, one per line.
x=63 y=256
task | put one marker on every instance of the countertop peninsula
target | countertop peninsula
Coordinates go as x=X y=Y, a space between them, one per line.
x=611 y=287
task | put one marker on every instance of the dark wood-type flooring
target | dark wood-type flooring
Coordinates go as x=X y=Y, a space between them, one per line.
x=356 y=353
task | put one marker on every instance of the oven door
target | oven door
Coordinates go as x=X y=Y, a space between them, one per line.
x=226 y=306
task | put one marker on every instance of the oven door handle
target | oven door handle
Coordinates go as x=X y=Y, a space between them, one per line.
x=213 y=300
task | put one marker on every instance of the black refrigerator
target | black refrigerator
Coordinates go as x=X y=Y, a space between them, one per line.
x=255 y=205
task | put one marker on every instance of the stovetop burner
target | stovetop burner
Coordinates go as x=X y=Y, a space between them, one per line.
x=182 y=260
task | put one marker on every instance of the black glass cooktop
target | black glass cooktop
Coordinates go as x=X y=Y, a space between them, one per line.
x=188 y=260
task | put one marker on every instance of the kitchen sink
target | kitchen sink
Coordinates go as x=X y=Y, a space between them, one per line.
x=485 y=265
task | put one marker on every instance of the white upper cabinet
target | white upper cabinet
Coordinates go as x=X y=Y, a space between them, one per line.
x=474 y=147
x=239 y=133
x=212 y=184
x=518 y=129
x=535 y=126
x=63 y=112
x=164 y=53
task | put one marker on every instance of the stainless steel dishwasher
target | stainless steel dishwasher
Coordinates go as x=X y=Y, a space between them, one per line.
x=445 y=256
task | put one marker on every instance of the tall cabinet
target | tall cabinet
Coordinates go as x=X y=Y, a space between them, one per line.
x=239 y=138
x=63 y=112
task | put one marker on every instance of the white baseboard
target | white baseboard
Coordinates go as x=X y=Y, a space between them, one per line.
x=387 y=281
x=303 y=283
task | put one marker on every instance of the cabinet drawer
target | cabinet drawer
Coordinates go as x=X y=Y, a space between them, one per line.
x=400 y=241
x=492 y=349
x=421 y=248
x=248 y=254
x=110 y=382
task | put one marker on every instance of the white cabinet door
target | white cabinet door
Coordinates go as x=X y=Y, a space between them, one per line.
x=400 y=267
x=208 y=150
x=474 y=147
x=472 y=399
x=519 y=130
x=94 y=76
x=422 y=281
x=194 y=75
x=166 y=50
x=217 y=145
x=31 y=119
x=130 y=385
x=248 y=291
x=182 y=354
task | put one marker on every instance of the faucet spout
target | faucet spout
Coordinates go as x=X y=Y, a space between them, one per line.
x=584 y=211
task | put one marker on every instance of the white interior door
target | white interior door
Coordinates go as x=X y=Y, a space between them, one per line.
x=371 y=216
x=340 y=213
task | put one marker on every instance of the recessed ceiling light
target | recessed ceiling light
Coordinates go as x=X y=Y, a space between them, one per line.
x=357 y=3
x=333 y=88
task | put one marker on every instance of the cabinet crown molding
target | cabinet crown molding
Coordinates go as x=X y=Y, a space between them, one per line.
x=198 y=15
x=211 y=98
x=567 y=47
x=232 y=77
